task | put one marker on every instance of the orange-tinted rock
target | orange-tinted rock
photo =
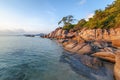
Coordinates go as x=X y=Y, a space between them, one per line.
x=99 y=34
x=117 y=66
x=70 y=45
x=77 y=47
x=116 y=42
x=87 y=49
x=108 y=49
x=109 y=56
x=65 y=43
x=106 y=35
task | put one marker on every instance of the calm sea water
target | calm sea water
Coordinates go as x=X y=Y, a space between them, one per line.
x=24 y=58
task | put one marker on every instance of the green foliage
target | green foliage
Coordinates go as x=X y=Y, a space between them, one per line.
x=68 y=27
x=117 y=19
x=104 y=19
x=80 y=24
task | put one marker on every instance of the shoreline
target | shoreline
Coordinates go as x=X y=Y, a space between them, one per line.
x=92 y=48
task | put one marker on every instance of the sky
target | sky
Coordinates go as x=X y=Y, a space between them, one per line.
x=42 y=16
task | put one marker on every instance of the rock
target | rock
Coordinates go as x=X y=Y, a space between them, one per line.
x=116 y=42
x=65 y=43
x=91 y=62
x=106 y=35
x=79 y=39
x=101 y=44
x=89 y=67
x=88 y=34
x=117 y=66
x=98 y=44
x=58 y=32
x=117 y=30
x=109 y=56
x=77 y=47
x=62 y=41
x=70 y=35
x=112 y=32
x=101 y=50
x=64 y=33
x=87 y=49
x=70 y=45
x=99 y=34
x=108 y=49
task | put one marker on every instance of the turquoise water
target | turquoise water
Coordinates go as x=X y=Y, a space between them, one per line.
x=25 y=58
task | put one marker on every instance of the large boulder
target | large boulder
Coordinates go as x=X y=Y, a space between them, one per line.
x=117 y=66
x=109 y=56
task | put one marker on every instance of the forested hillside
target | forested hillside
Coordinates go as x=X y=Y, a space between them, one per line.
x=104 y=19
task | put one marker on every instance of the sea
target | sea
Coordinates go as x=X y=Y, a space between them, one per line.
x=33 y=58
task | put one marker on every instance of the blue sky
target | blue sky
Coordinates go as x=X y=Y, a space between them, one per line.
x=35 y=16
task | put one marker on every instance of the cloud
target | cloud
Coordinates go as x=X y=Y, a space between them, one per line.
x=81 y=2
x=89 y=16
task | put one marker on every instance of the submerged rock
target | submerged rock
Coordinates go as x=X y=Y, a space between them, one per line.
x=89 y=67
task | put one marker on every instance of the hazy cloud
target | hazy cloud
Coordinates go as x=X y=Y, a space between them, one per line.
x=81 y=2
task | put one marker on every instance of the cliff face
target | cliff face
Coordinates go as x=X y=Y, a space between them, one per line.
x=97 y=44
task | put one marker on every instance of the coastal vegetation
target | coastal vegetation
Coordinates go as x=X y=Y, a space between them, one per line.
x=103 y=19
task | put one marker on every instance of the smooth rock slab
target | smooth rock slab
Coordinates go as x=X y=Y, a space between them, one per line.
x=77 y=47
x=109 y=56
x=87 y=49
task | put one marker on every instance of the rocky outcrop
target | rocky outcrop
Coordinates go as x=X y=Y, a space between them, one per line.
x=87 y=34
x=94 y=44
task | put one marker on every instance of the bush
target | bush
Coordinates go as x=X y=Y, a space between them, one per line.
x=68 y=27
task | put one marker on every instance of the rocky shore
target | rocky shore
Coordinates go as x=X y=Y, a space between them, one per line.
x=93 y=48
